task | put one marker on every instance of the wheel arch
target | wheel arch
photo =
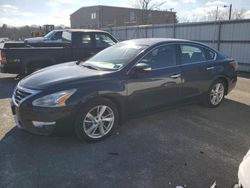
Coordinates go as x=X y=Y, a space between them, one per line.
x=113 y=98
x=225 y=80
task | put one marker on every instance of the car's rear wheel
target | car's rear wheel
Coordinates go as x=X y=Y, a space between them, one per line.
x=216 y=94
x=96 y=120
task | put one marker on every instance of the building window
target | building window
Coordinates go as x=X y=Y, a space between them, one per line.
x=93 y=15
x=131 y=16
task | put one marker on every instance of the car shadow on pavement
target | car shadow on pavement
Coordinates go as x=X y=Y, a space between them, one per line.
x=170 y=147
x=7 y=85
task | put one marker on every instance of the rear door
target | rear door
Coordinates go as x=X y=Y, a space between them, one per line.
x=197 y=68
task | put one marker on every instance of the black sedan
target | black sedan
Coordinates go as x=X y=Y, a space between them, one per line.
x=131 y=77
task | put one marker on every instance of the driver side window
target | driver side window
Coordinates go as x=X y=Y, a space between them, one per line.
x=161 y=57
x=57 y=36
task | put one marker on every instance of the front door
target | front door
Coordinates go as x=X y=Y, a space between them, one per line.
x=158 y=87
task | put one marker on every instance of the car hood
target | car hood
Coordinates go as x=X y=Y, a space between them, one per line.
x=61 y=74
x=35 y=39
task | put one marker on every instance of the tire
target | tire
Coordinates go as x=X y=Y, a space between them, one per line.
x=215 y=94
x=91 y=126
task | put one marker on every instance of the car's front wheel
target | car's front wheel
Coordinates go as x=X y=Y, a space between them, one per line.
x=215 y=94
x=96 y=120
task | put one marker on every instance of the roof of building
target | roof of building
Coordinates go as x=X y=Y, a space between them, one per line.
x=130 y=8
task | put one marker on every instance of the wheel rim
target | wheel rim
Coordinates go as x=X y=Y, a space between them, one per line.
x=98 y=121
x=217 y=93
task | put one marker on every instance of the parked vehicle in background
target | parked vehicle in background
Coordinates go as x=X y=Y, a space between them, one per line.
x=244 y=173
x=52 y=37
x=131 y=77
x=42 y=31
x=78 y=44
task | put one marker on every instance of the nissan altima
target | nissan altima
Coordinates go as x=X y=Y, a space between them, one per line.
x=131 y=77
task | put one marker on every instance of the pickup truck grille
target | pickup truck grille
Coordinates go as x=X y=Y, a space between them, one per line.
x=20 y=94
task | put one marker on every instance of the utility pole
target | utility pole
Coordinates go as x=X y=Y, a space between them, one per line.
x=230 y=10
x=216 y=14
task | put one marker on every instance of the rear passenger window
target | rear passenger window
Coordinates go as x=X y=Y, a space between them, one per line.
x=86 y=40
x=192 y=54
x=210 y=55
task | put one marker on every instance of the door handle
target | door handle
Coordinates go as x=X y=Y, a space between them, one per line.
x=176 y=76
x=210 y=68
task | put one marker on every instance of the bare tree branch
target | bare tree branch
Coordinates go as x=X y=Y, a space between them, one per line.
x=146 y=5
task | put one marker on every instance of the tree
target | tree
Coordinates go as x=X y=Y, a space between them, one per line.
x=224 y=14
x=4 y=27
x=146 y=5
x=238 y=14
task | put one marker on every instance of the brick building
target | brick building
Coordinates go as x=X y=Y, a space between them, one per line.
x=108 y=16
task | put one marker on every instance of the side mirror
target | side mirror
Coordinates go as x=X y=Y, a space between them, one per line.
x=142 y=67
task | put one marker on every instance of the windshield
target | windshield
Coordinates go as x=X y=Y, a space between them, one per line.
x=115 y=57
x=49 y=34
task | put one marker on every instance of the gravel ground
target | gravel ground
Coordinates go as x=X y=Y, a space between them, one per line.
x=190 y=145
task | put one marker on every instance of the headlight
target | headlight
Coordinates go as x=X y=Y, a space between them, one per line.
x=57 y=99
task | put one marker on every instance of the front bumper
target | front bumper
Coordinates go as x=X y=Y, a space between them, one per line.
x=55 y=119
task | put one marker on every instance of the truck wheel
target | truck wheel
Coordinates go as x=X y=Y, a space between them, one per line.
x=96 y=120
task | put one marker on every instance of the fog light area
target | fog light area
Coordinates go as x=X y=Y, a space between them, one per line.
x=40 y=124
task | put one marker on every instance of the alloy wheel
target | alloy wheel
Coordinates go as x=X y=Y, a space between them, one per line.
x=98 y=121
x=217 y=94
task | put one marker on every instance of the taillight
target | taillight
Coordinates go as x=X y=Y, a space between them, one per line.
x=234 y=64
x=2 y=57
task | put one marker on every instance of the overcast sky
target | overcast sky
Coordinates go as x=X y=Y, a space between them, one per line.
x=40 y=12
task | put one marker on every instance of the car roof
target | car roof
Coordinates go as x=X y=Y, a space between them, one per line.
x=154 y=41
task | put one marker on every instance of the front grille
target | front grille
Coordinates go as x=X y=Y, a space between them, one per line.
x=19 y=95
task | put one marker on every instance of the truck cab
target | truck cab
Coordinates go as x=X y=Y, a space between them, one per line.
x=76 y=45
x=54 y=36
